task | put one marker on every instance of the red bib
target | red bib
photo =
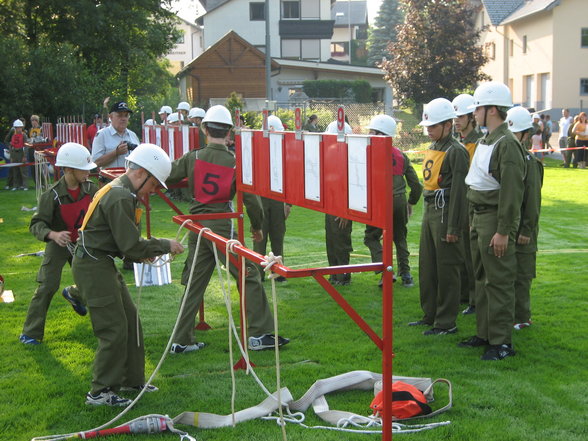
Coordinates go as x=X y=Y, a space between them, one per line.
x=73 y=215
x=397 y=162
x=212 y=182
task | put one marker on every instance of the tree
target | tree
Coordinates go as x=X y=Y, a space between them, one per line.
x=384 y=31
x=436 y=53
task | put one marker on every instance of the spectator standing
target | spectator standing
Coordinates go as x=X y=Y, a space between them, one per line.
x=93 y=129
x=564 y=126
x=113 y=143
x=580 y=131
x=17 y=155
x=60 y=213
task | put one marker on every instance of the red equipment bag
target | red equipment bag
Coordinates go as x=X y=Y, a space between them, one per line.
x=407 y=402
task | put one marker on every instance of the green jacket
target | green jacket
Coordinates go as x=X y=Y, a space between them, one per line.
x=113 y=227
x=216 y=154
x=409 y=176
x=452 y=179
x=507 y=166
x=48 y=216
x=531 y=207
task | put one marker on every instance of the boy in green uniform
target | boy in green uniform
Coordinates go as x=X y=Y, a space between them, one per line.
x=495 y=194
x=61 y=210
x=110 y=229
x=403 y=173
x=211 y=178
x=519 y=123
x=465 y=126
x=441 y=252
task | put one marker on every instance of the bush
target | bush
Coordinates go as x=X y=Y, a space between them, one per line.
x=359 y=91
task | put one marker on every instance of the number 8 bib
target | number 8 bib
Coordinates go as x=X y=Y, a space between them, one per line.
x=212 y=182
x=431 y=168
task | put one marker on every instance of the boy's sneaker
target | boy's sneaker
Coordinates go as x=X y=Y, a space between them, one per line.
x=419 y=323
x=473 y=342
x=180 y=349
x=25 y=188
x=440 y=331
x=471 y=309
x=519 y=326
x=498 y=352
x=26 y=340
x=280 y=279
x=77 y=306
x=266 y=341
x=107 y=398
x=149 y=388
x=407 y=280
x=14 y=189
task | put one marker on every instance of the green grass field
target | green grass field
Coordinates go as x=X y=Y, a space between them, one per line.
x=541 y=394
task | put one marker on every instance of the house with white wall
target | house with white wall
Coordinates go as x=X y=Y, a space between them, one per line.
x=188 y=46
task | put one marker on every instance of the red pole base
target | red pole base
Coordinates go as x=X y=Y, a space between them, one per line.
x=202 y=326
x=242 y=365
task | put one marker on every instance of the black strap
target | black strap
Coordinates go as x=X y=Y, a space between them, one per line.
x=407 y=396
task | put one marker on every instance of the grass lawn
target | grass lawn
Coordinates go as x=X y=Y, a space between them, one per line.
x=541 y=394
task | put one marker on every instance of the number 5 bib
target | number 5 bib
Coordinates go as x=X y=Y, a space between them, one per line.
x=212 y=182
x=431 y=168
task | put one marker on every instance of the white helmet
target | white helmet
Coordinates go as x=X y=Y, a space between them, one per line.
x=165 y=109
x=218 y=114
x=74 y=155
x=173 y=118
x=536 y=116
x=196 y=112
x=183 y=106
x=17 y=123
x=149 y=122
x=518 y=119
x=383 y=123
x=462 y=104
x=274 y=123
x=437 y=111
x=332 y=128
x=153 y=159
x=492 y=93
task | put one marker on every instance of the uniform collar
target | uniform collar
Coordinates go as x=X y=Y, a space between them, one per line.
x=496 y=134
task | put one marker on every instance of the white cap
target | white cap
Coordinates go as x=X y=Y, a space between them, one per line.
x=332 y=128
x=274 y=123
x=518 y=119
x=492 y=93
x=153 y=159
x=437 y=111
x=17 y=123
x=74 y=155
x=165 y=109
x=183 y=106
x=383 y=123
x=462 y=104
x=149 y=122
x=173 y=118
x=196 y=112
x=218 y=114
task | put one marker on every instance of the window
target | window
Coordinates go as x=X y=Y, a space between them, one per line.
x=291 y=9
x=490 y=49
x=524 y=44
x=583 y=86
x=311 y=49
x=339 y=49
x=310 y=9
x=256 y=11
x=291 y=49
x=180 y=39
x=511 y=47
x=584 y=38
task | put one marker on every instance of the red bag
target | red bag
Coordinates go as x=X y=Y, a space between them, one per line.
x=407 y=402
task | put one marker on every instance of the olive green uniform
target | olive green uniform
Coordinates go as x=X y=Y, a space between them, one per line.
x=526 y=254
x=273 y=228
x=259 y=317
x=497 y=211
x=112 y=231
x=373 y=235
x=468 y=280
x=339 y=247
x=44 y=221
x=444 y=212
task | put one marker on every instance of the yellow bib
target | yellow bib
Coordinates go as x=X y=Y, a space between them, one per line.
x=431 y=168
x=94 y=203
x=471 y=148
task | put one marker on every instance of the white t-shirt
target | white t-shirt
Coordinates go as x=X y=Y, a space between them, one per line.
x=564 y=126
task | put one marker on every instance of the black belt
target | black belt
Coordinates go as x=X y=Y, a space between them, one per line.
x=480 y=207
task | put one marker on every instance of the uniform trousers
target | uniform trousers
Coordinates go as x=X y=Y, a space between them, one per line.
x=338 y=242
x=15 y=174
x=259 y=317
x=273 y=227
x=468 y=281
x=439 y=270
x=49 y=279
x=495 y=301
x=373 y=235
x=526 y=264
x=120 y=356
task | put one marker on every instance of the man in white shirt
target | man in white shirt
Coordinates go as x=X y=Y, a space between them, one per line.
x=113 y=144
x=564 y=126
